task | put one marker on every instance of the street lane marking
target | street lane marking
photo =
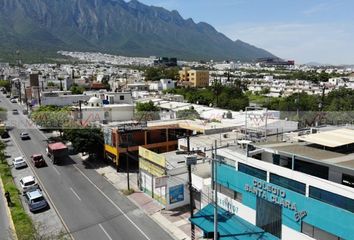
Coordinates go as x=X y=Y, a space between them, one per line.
x=105 y=232
x=113 y=203
x=56 y=170
x=75 y=194
x=44 y=189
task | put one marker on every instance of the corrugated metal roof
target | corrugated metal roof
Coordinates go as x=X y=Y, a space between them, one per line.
x=335 y=138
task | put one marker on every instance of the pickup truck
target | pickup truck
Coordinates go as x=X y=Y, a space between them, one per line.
x=38 y=160
x=57 y=152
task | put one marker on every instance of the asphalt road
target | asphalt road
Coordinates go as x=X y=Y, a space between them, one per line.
x=89 y=206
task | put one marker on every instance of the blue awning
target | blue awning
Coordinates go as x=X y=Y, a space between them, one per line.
x=230 y=226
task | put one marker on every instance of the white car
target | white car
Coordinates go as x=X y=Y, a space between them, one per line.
x=28 y=183
x=19 y=162
x=25 y=136
x=13 y=100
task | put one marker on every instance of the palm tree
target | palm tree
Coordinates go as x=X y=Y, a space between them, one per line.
x=217 y=89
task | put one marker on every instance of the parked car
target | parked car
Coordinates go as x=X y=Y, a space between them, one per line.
x=38 y=160
x=14 y=111
x=19 y=162
x=8 y=96
x=35 y=200
x=5 y=134
x=25 y=136
x=13 y=100
x=28 y=183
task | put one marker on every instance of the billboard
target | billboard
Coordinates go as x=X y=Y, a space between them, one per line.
x=176 y=193
x=151 y=168
x=152 y=156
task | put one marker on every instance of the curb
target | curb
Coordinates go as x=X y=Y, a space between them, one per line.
x=150 y=216
x=66 y=228
x=9 y=216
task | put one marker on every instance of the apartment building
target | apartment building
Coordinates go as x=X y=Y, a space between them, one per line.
x=194 y=78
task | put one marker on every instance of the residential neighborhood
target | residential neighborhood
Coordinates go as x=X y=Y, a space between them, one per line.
x=166 y=151
x=176 y=120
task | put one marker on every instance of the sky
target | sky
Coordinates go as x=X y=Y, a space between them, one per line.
x=303 y=30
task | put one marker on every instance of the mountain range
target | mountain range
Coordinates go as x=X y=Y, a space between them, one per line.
x=40 y=28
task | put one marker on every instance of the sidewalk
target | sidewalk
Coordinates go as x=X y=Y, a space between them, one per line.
x=7 y=228
x=173 y=221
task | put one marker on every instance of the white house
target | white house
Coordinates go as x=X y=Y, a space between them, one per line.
x=163 y=84
x=59 y=99
x=96 y=111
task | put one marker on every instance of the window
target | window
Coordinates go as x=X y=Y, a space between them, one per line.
x=121 y=97
x=332 y=198
x=311 y=169
x=229 y=193
x=282 y=161
x=255 y=172
x=307 y=229
x=348 y=180
x=317 y=233
x=288 y=183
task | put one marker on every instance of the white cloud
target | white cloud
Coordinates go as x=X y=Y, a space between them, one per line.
x=327 y=43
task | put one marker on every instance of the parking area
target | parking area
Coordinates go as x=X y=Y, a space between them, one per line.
x=46 y=220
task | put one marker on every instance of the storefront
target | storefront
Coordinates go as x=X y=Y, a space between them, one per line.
x=282 y=207
x=156 y=180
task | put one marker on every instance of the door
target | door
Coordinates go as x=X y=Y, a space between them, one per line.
x=269 y=217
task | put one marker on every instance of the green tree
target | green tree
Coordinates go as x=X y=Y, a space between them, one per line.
x=52 y=117
x=5 y=84
x=341 y=99
x=217 y=89
x=157 y=73
x=85 y=139
x=265 y=91
x=146 y=107
x=51 y=84
x=146 y=111
x=75 y=89
x=190 y=113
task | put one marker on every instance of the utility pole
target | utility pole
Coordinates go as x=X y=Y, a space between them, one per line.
x=246 y=123
x=19 y=89
x=127 y=158
x=191 y=203
x=216 y=234
x=80 y=111
x=61 y=84
x=39 y=96
x=26 y=100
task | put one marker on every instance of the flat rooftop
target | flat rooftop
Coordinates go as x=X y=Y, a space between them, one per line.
x=174 y=160
x=307 y=152
x=202 y=170
x=318 y=155
x=333 y=138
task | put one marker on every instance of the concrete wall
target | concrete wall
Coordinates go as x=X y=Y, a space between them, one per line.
x=175 y=181
x=111 y=114
x=66 y=100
